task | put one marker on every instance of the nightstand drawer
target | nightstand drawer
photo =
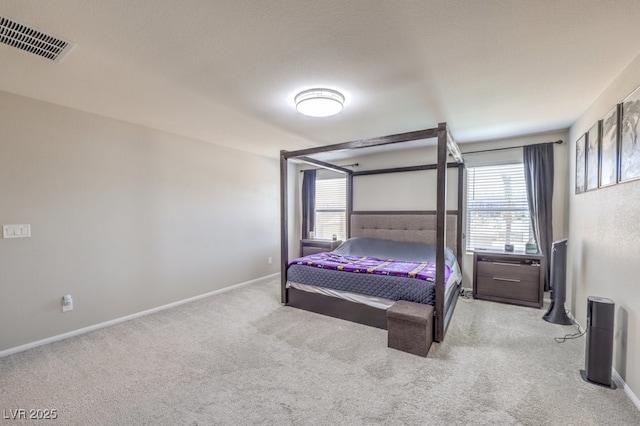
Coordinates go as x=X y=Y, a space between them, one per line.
x=307 y=250
x=498 y=268
x=508 y=288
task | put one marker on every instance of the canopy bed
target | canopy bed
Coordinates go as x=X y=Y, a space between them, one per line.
x=428 y=242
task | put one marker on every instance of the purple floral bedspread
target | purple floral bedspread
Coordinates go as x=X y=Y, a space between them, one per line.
x=372 y=265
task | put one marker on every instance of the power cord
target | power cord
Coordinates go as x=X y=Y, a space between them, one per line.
x=466 y=294
x=571 y=336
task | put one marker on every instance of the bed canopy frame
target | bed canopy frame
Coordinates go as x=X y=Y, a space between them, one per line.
x=446 y=148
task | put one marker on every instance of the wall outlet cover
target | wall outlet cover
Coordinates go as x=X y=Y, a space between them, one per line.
x=16 y=231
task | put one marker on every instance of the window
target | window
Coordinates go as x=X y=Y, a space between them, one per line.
x=497 y=209
x=331 y=208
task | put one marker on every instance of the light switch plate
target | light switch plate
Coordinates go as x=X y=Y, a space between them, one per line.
x=16 y=231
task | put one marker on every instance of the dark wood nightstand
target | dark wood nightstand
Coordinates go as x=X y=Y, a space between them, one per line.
x=514 y=278
x=312 y=246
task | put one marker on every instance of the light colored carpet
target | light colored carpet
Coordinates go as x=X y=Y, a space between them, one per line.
x=241 y=358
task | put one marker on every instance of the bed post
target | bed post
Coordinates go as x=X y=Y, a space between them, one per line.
x=284 y=227
x=460 y=209
x=441 y=228
x=349 y=178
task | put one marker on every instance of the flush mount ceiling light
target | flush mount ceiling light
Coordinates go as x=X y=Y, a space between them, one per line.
x=319 y=102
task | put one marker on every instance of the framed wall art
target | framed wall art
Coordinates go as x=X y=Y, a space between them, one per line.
x=581 y=163
x=593 y=159
x=629 y=141
x=609 y=148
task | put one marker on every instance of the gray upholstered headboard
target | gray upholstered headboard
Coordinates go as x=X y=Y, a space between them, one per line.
x=403 y=227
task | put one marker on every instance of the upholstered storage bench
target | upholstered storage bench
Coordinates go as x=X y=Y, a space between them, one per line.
x=410 y=327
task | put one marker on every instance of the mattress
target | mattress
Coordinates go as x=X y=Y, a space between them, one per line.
x=377 y=290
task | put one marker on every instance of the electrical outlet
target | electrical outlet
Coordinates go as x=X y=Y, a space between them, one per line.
x=67 y=303
x=269 y=260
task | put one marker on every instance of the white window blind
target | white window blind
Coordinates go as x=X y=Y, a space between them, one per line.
x=331 y=208
x=497 y=209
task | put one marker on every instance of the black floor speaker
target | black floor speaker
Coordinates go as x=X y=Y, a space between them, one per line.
x=557 y=312
x=599 y=351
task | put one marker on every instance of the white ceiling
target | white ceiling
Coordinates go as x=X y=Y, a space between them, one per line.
x=226 y=71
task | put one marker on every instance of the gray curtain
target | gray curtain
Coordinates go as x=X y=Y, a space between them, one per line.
x=308 y=202
x=538 y=174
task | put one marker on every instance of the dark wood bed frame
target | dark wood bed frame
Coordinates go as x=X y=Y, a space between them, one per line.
x=356 y=312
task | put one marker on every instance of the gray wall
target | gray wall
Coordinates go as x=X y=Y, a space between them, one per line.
x=604 y=233
x=123 y=217
x=399 y=191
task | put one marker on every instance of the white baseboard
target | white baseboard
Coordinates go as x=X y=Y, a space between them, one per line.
x=84 y=330
x=620 y=381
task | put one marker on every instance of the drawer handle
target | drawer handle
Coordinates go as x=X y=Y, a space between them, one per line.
x=506 y=264
x=506 y=279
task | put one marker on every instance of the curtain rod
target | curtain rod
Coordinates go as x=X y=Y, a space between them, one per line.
x=510 y=147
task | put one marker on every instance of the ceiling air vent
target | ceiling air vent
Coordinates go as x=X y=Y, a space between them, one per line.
x=31 y=40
